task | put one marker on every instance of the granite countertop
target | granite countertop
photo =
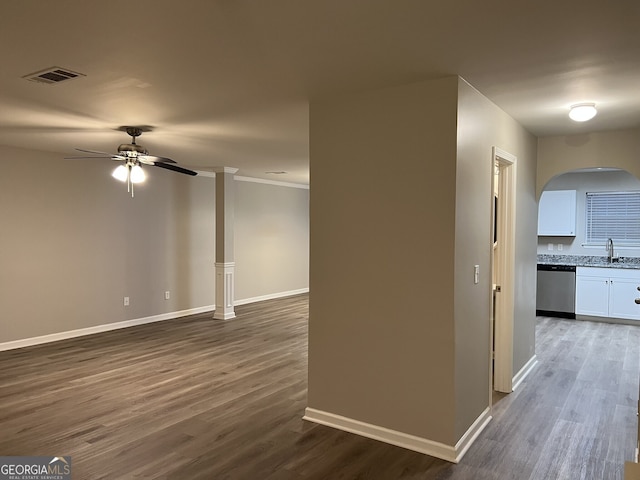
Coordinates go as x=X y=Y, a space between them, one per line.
x=588 y=261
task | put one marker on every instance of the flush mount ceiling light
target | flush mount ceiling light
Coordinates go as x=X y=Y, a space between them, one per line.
x=582 y=112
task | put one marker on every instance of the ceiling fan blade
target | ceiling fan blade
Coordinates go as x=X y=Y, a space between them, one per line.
x=94 y=152
x=112 y=157
x=175 y=168
x=153 y=158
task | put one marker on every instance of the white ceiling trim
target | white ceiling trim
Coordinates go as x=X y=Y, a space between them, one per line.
x=205 y=173
x=272 y=182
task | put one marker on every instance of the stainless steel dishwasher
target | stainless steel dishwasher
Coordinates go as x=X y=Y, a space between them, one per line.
x=556 y=293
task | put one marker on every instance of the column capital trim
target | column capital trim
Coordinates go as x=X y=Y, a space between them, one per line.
x=224 y=169
x=225 y=264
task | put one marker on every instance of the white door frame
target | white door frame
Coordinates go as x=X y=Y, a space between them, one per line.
x=505 y=270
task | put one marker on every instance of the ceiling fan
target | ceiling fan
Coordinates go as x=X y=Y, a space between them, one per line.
x=133 y=154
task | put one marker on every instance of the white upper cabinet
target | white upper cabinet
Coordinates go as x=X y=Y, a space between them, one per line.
x=557 y=213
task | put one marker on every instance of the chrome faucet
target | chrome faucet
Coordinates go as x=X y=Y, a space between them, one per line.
x=612 y=257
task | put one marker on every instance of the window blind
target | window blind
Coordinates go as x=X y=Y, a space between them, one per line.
x=613 y=215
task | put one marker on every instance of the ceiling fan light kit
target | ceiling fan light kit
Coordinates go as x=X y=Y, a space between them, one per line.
x=130 y=174
x=137 y=175
x=582 y=112
x=133 y=155
x=121 y=173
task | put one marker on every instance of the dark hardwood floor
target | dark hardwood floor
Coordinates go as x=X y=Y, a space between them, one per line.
x=198 y=398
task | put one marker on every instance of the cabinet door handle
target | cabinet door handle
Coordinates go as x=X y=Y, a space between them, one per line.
x=637 y=300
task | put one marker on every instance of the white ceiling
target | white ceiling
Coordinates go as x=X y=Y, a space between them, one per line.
x=228 y=82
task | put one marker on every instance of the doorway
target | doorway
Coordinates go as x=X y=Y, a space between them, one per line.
x=503 y=262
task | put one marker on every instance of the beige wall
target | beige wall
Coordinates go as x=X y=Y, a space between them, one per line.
x=481 y=126
x=400 y=213
x=382 y=251
x=561 y=154
x=73 y=243
x=271 y=239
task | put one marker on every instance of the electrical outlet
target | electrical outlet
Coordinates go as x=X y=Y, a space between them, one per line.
x=476 y=273
x=167 y=295
x=560 y=247
x=550 y=247
x=126 y=301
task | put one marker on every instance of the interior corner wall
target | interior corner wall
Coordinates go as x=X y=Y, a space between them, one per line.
x=481 y=126
x=271 y=240
x=382 y=209
x=74 y=244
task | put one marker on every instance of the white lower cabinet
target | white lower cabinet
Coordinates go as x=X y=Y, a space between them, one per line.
x=592 y=295
x=622 y=296
x=607 y=292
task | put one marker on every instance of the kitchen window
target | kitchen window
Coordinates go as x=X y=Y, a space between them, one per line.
x=613 y=215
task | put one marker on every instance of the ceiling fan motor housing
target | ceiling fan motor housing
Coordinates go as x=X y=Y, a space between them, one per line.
x=132 y=150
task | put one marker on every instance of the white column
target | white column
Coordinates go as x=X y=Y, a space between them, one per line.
x=225 y=265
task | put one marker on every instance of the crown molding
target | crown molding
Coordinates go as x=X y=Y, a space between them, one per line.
x=272 y=182
x=209 y=174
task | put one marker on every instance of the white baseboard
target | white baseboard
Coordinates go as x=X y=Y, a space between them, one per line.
x=411 y=442
x=524 y=371
x=472 y=433
x=54 y=337
x=270 y=296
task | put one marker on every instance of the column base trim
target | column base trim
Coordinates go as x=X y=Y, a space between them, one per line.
x=224 y=316
x=225 y=286
x=411 y=442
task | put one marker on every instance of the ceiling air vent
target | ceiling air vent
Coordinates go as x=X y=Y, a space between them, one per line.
x=53 y=75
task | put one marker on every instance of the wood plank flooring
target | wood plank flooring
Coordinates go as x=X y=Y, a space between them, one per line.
x=197 y=398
